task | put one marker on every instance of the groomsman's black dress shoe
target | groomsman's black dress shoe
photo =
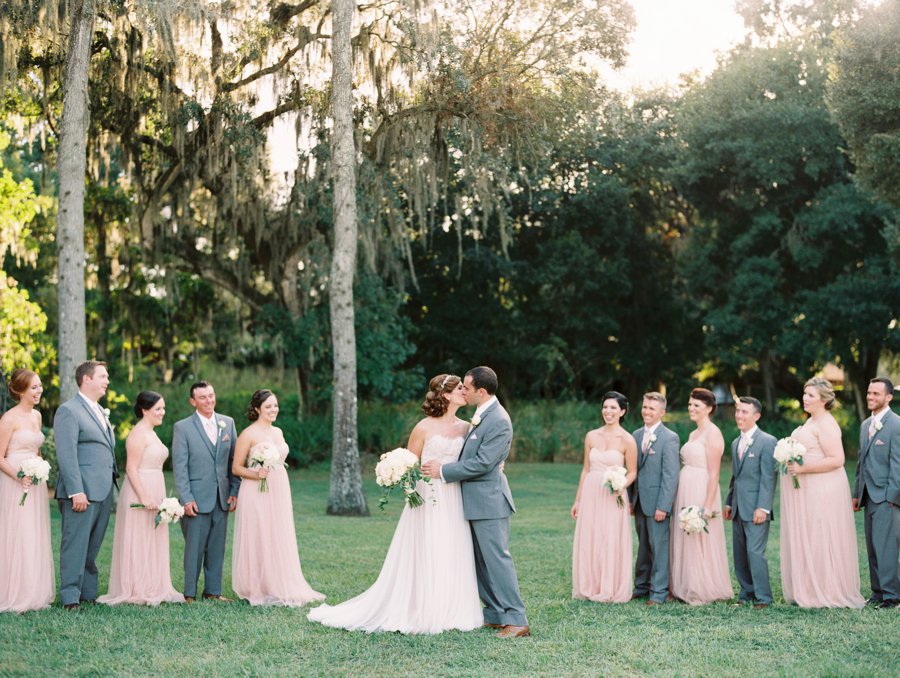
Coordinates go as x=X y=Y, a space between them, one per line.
x=874 y=601
x=888 y=604
x=638 y=596
x=221 y=599
x=514 y=632
x=72 y=606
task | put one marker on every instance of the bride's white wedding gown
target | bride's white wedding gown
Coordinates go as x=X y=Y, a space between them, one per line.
x=427 y=583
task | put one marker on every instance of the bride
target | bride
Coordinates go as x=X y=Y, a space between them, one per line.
x=427 y=583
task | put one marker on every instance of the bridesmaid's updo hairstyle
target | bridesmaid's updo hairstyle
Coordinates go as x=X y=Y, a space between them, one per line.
x=436 y=404
x=619 y=398
x=144 y=401
x=256 y=401
x=705 y=396
x=824 y=389
x=19 y=381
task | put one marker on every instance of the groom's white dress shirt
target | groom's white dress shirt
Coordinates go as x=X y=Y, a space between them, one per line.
x=876 y=418
x=645 y=442
x=209 y=425
x=481 y=408
x=97 y=410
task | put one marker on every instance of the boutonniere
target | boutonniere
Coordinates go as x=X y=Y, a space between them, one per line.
x=221 y=425
x=475 y=421
x=652 y=440
x=878 y=426
x=749 y=442
x=106 y=412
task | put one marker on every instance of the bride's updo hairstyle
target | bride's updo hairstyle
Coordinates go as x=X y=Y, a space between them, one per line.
x=19 y=382
x=824 y=389
x=436 y=404
x=256 y=401
x=620 y=399
x=705 y=396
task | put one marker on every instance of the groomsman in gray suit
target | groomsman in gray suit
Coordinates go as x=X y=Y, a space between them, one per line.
x=749 y=502
x=652 y=495
x=878 y=490
x=86 y=453
x=488 y=503
x=202 y=452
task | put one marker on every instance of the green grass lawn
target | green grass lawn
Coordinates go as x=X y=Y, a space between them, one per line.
x=342 y=556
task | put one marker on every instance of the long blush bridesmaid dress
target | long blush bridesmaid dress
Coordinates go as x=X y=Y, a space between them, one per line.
x=698 y=564
x=27 y=581
x=265 y=565
x=819 y=558
x=601 y=553
x=139 y=573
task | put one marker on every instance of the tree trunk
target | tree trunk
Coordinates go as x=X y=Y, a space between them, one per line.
x=346 y=495
x=768 y=377
x=70 y=218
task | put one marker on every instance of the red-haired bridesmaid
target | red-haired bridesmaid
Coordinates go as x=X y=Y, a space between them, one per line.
x=26 y=557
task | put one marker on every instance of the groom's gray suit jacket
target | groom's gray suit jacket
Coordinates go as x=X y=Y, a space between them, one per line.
x=878 y=470
x=753 y=477
x=85 y=452
x=485 y=489
x=657 y=477
x=203 y=470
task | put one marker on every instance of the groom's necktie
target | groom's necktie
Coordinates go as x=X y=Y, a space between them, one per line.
x=645 y=444
x=210 y=426
x=872 y=428
x=742 y=447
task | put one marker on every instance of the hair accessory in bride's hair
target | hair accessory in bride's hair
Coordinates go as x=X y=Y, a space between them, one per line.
x=444 y=383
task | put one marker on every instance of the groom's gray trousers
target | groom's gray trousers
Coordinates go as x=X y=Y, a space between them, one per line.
x=82 y=536
x=498 y=585
x=204 y=544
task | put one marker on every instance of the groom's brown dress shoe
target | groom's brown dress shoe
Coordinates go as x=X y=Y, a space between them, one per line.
x=514 y=632
x=190 y=599
x=493 y=626
x=221 y=599
x=72 y=606
x=760 y=606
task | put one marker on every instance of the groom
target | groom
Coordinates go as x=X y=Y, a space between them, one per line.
x=652 y=496
x=202 y=452
x=86 y=453
x=488 y=503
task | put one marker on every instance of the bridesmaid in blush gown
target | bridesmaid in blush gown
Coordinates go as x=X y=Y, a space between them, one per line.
x=698 y=562
x=601 y=553
x=265 y=565
x=427 y=583
x=819 y=559
x=139 y=574
x=26 y=557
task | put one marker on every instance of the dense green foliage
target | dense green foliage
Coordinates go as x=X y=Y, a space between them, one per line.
x=575 y=239
x=342 y=556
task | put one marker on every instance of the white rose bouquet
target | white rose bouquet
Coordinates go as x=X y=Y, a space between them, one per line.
x=614 y=480
x=264 y=456
x=399 y=467
x=35 y=468
x=787 y=450
x=693 y=520
x=169 y=511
